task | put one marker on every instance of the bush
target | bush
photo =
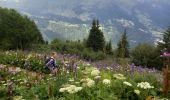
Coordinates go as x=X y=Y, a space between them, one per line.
x=78 y=48
x=146 y=55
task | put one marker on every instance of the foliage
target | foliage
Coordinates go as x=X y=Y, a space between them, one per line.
x=78 y=48
x=96 y=39
x=123 y=46
x=109 y=48
x=91 y=83
x=17 y=31
x=166 y=40
x=146 y=55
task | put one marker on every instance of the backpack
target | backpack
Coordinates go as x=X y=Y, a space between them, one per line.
x=47 y=60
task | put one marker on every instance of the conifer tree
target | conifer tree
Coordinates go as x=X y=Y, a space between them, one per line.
x=109 y=48
x=96 y=39
x=123 y=45
x=166 y=40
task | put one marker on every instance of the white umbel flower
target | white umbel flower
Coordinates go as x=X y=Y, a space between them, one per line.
x=88 y=82
x=95 y=72
x=119 y=76
x=62 y=90
x=144 y=85
x=97 y=77
x=127 y=83
x=106 y=81
x=137 y=92
x=71 y=89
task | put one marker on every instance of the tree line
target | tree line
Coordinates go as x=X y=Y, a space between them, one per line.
x=19 y=32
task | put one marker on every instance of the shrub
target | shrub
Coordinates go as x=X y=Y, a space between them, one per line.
x=146 y=55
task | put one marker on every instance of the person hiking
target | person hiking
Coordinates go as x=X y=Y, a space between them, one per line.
x=51 y=63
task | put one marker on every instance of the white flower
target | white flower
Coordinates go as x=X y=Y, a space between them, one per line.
x=88 y=82
x=95 y=72
x=17 y=98
x=62 y=90
x=106 y=81
x=78 y=89
x=127 y=83
x=70 y=89
x=137 y=92
x=97 y=77
x=71 y=80
x=77 y=82
x=144 y=85
x=119 y=76
x=88 y=64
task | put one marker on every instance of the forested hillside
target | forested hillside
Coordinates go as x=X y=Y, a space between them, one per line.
x=17 y=31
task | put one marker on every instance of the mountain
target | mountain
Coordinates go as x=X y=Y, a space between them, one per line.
x=145 y=20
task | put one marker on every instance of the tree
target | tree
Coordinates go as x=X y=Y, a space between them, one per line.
x=166 y=40
x=123 y=46
x=146 y=55
x=17 y=31
x=109 y=47
x=96 y=39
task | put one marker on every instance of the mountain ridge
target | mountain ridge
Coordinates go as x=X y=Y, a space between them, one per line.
x=145 y=20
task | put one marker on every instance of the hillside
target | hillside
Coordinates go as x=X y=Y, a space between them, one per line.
x=145 y=20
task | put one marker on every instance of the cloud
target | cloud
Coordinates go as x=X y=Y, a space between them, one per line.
x=84 y=16
x=17 y=1
x=125 y=23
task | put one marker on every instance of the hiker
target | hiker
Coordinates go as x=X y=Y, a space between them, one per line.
x=51 y=63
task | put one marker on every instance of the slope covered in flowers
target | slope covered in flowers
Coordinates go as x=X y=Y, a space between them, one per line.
x=22 y=76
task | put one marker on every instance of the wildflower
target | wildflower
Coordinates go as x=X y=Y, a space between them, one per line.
x=88 y=82
x=71 y=80
x=106 y=81
x=67 y=72
x=137 y=92
x=164 y=99
x=62 y=90
x=70 y=89
x=5 y=84
x=144 y=85
x=97 y=77
x=88 y=64
x=17 y=98
x=77 y=82
x=95 y=72
x=127 y=83
x=119 y=76
x=78 y=89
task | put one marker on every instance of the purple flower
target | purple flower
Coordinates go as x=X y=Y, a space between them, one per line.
x=140 y=69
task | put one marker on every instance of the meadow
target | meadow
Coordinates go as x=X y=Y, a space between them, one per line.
x=23 y=77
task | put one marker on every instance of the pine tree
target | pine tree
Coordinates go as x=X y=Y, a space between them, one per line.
x=96 y=39
x=166 y=40
x=109 y=48
x=122 y=50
